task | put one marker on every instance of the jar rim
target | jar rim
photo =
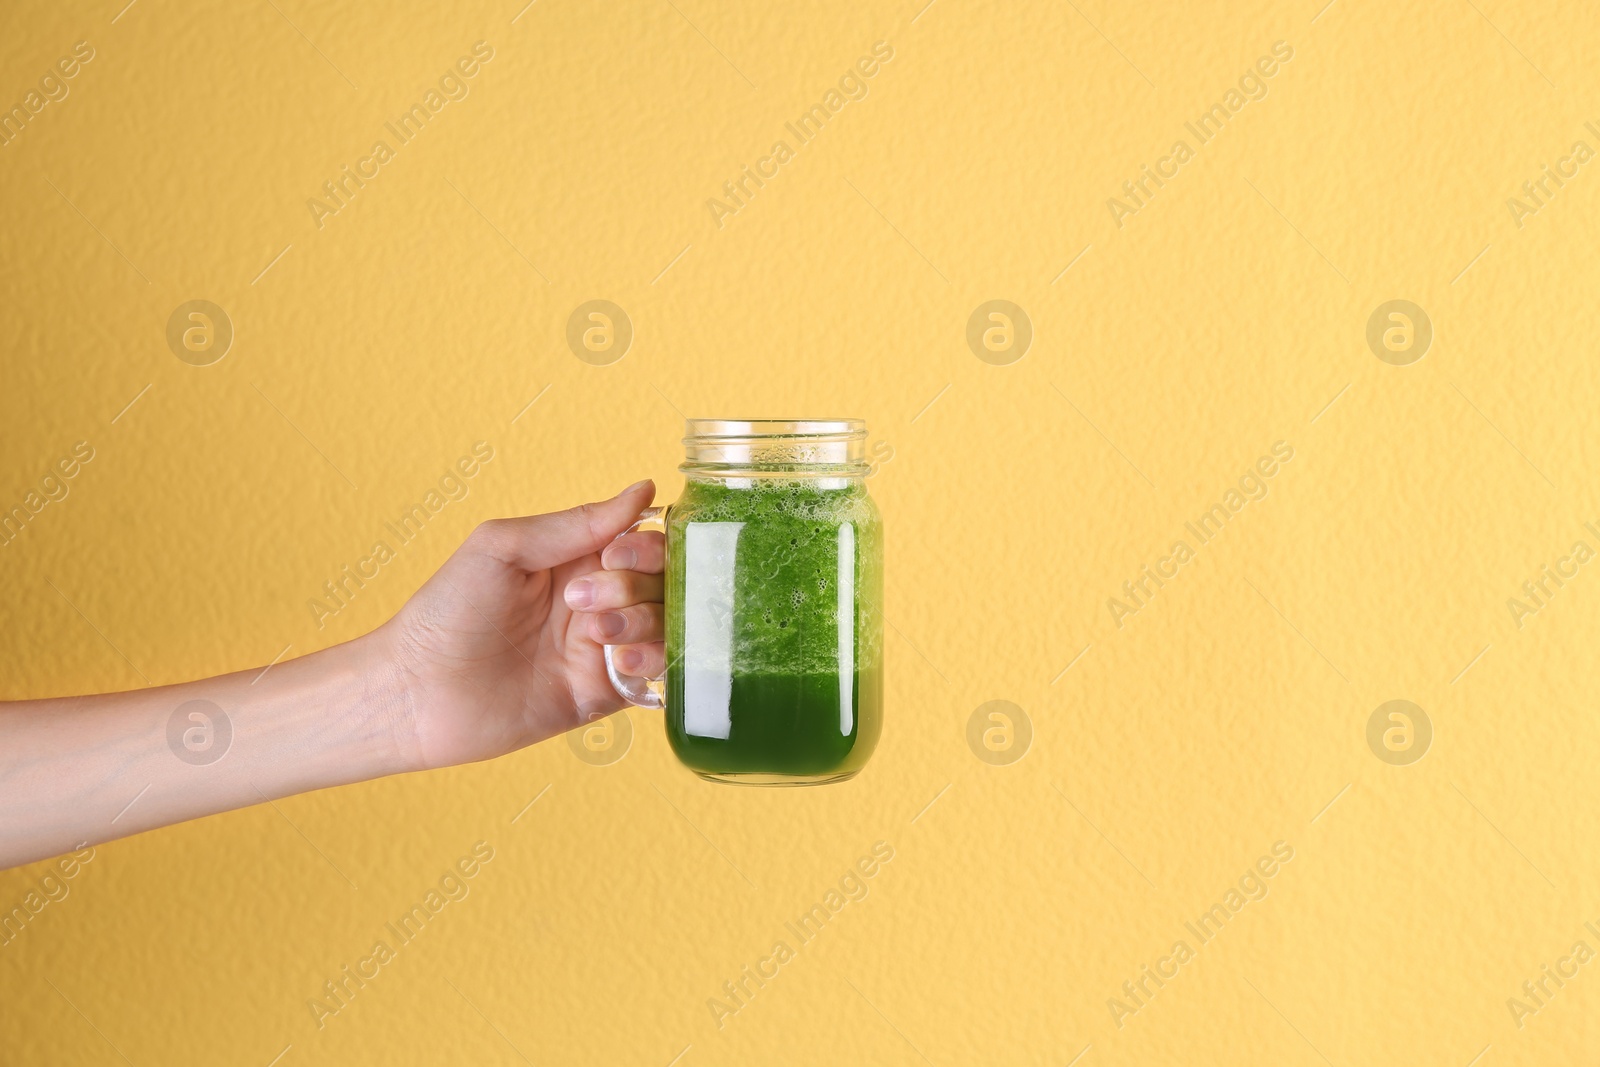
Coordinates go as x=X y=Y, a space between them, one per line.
x=703 y=430
x=771 y=448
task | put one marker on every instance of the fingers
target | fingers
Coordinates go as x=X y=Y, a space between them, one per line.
x=622 y=602
x=536 y=542
x=641 y=661
x=642 y=550
x=612 y=589
x=629 y=626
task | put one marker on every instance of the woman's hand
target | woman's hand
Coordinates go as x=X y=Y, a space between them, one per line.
x=502 y=647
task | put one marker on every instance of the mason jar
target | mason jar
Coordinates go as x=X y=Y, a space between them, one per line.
x=774 y=604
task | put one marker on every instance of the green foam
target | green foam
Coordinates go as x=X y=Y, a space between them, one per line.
x=774 y=628
x=781 y=585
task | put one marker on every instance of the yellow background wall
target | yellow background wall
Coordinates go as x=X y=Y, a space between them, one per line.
x=1167 y=754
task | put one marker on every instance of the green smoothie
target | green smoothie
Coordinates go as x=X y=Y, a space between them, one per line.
x=774 y=631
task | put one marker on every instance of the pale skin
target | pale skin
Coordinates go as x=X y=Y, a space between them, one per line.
x=500 y=649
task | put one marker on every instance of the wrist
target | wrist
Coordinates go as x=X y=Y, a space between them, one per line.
x=386 y=704
x=331 y=718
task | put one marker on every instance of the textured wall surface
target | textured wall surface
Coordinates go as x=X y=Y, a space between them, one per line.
x=1385 y=878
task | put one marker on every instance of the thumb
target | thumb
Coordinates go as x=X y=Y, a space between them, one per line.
x=538 y=542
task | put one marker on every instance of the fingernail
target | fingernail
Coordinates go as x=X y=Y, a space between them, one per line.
x=580 y=593
x=629 y=660
x=622 y=559
x=634 y=487
x=611 y=624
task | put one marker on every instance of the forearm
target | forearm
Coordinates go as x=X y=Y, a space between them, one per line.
x=88 y=769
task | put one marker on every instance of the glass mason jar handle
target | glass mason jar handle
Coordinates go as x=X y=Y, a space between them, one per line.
x=640 y=692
